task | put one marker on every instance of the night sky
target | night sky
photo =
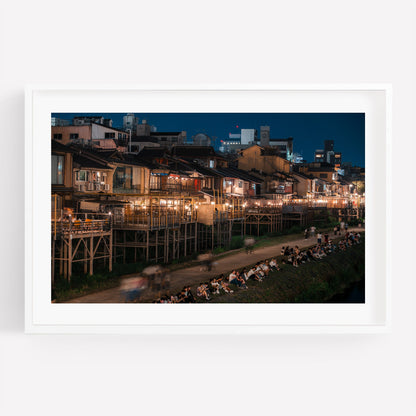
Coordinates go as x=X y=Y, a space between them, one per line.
x=309 y=130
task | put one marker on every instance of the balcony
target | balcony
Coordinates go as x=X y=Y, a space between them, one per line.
x=92 y=187
x=154 y=219
x=173 y=188
x=81 y=224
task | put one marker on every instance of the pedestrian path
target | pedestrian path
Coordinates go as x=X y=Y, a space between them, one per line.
x=193 y=275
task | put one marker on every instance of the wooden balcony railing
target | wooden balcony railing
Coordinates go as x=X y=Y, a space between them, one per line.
x=82 y=224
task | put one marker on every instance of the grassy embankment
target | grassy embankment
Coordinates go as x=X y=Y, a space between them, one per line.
x=311 y=282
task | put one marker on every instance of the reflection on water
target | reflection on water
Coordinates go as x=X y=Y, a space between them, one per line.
x=354 y=294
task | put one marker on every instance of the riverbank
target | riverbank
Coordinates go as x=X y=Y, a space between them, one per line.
x=312 y=282
x=193 y=275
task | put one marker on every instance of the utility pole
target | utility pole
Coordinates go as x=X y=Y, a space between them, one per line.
x=129 y=130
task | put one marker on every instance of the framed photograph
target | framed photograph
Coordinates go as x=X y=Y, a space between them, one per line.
x=240 y=209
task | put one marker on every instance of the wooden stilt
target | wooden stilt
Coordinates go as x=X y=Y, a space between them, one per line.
x=110 y=251
x=147 y=245
x=53 y=260
x=85 y=257
x=66 y=261
x=157 y=245
x=61 y=255
x=91 y=255
x=185 y=241
x=69 y=258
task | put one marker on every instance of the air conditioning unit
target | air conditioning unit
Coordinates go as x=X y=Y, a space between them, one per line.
x=90 y=186
x=107 y=187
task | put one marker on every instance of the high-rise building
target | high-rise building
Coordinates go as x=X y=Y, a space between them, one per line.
x=143 y=129
x=248 y=136
x=328 y=155
x=320 y=155
x=130 y=121
x=264 y=135
x=328 y=145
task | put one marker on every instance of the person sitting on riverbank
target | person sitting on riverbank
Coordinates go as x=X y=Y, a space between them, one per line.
x=232 y=278
x=315 y=253
x=295 y=262
x=265 y=267
x=252 y=274
x=282 y=251
x=301 y=257
x=235 y=279
x=241 y=282
x=310 y=255
x=342 y=245
x=202 y=291
x=260 y=272
x=225 y=287
x=189 y=295
x=243 y=274
x=214 y=286
x=273 y=265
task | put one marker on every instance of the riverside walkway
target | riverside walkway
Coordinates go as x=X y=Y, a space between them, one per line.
x=193 y=275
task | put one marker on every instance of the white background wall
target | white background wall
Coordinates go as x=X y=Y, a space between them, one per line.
x=280 y=42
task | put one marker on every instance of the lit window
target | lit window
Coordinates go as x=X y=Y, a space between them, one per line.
x=57 y=170
x=82 y=175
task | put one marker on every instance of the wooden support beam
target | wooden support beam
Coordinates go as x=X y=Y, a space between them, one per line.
x=110 y=253
x=135 y=248
x=124 y=248
x=85 y=257
x=91 y=255
x=196 y=237
x=157 y=244
x=69 y=257
x=53 y=259
x=147 y=245
x=185 y=241
x=65 y=256
x=61 y=255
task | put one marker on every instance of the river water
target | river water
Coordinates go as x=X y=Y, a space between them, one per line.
x=354 y=294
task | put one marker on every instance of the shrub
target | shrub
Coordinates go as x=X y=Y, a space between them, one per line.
x=218 y=250
x=236 y=242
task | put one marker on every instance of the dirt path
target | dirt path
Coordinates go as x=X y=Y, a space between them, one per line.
x=193 y=275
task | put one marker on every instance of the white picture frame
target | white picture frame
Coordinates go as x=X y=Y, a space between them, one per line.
x=42 y=316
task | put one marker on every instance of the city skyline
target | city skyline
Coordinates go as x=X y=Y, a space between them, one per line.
x=309 y=130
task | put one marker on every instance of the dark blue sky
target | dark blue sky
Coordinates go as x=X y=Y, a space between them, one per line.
x=309 y=130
